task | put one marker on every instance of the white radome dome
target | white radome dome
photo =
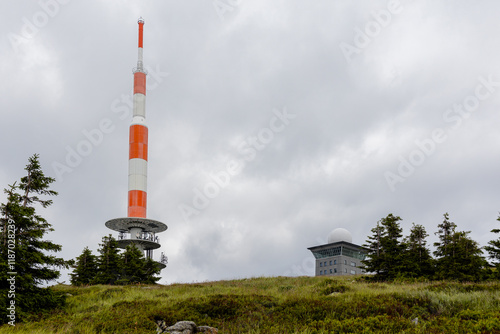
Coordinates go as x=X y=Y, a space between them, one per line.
x=339 y=234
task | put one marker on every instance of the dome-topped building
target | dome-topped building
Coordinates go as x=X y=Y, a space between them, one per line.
x=339 y=256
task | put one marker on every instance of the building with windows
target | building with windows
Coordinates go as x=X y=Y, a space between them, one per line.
x=339 y=256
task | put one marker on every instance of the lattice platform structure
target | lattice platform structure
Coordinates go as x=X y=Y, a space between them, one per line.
x=140 y=232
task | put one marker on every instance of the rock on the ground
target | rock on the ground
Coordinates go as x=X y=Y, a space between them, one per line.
x=183 y=327
x=206 y=329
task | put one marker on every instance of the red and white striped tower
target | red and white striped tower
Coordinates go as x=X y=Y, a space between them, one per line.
x=138 y=141
x=136 y=229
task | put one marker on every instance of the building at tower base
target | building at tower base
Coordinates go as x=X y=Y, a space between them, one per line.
x=339 y=256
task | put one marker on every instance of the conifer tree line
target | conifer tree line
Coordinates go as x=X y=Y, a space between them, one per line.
x=456 y=256
x=113 y=267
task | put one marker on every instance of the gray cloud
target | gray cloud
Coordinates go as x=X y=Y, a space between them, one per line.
x=215 y=84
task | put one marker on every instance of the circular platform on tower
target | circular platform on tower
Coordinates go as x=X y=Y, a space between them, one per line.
x=125 y=224
x=145 y=244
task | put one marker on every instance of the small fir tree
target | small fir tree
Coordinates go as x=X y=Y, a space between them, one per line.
x=417 y=259
x=493 y=250
x=109 y=262
x=85 y=268
x=458 y=256
x=133 y=265
x=469 y=258
x=151 y=269
x=373 y=261
x=445 y=249
x=385 y=256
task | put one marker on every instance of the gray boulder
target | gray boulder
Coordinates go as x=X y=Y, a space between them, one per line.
x=183 y=327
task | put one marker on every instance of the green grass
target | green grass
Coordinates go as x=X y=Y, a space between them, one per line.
x=303 y=305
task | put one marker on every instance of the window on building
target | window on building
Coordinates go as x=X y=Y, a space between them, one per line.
x=345 y=270
x=331 y=271
x=334 y=270
x=334 y=261
x=319 y=254
x=353 y=264
x=353 y=272
x=345 y=262
x=330 y=262
x=321 y=264
x=324 y=264
x=321 y=272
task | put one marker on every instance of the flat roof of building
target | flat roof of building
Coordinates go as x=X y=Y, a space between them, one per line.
x=336 y=244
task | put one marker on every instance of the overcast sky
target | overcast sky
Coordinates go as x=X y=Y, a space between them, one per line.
x=271 y=123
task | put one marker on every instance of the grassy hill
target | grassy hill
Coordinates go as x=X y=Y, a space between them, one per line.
x=277 y=305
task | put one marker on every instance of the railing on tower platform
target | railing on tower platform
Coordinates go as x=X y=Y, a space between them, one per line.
x=140 y=236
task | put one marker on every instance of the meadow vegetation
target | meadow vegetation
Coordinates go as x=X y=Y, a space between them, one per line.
x=276 y=305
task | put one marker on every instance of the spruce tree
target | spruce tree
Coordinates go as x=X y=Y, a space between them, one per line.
x=469 y=258
x=458 y=256
x=373 y=261
x=29 y=254
x=109 y=262
x=151 y=269
x=392 y=246
x=445 y=250
x=417 y=259
x=493 y=250
x=133 y=265
x=386 y=249
x=85 y=268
